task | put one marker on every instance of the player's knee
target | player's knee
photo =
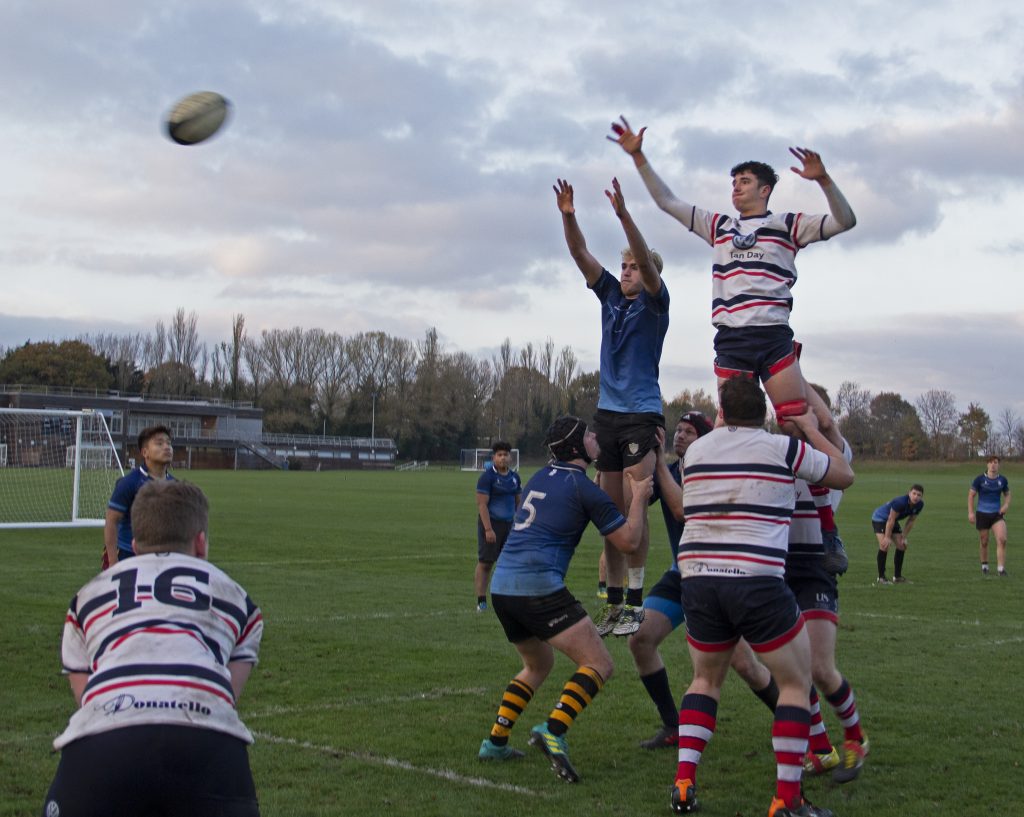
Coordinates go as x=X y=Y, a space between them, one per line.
x=642 y=645
x=789 y=408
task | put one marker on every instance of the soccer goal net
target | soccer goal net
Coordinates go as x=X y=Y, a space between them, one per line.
x=57 y=468
x=477 y=459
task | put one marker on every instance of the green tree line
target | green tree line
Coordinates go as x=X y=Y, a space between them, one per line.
x=434 y=401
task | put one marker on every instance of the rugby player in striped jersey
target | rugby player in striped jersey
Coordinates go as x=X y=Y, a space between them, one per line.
x=157 y=650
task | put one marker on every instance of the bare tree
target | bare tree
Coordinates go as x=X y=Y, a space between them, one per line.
x=851 y=399
x=937 y=410
x=1009 y=422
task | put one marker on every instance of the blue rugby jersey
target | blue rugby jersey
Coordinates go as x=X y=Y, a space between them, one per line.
x=990 y=492
x=632 y=336
x=122 y=498
x=903 y=507
x=501 y=490
x=559 y=502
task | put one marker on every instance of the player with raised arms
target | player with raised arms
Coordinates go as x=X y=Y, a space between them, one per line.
x=634 y=320
x=753 y=273
x=536 y=610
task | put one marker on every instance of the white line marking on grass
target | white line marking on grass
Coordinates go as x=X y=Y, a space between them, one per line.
x=358 y=617
x=394 y=763
x=997 y=643
x=340 y=560
x=890 y=617
x=431 y=695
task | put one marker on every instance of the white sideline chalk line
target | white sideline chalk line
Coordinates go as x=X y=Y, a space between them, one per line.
x=342 y=560
x=962 y=621
x=394 y=763
x=998 y=643
x=359 y=617
x=432 y=695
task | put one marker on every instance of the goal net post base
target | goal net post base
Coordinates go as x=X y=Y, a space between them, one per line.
x=57 y=468
x=478 y=459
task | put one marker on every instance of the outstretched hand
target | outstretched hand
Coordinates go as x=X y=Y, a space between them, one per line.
x=813 y=168
x=615 y=197
x=797 y=425
x=623 y=136
x=642 y=489
x=563 y=197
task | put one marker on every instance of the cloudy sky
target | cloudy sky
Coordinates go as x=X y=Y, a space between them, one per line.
x=389 y=163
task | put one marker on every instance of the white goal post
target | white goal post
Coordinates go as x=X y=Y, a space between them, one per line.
x=57 y=468
x=477 y=459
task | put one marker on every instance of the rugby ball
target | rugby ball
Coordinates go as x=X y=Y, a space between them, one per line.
x=197 y=117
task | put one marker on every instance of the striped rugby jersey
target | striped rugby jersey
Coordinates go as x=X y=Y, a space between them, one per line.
x=805 y=527
x=754 y=263
x=738 y=498
x=155 y=635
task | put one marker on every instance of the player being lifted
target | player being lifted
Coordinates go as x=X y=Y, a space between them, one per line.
x=634 y=320
x=753 y=271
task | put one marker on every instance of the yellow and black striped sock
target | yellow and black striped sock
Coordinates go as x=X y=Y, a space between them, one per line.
x=576 y=694
x=513 y=702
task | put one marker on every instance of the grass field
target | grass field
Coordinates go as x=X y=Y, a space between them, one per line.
x=378 y=679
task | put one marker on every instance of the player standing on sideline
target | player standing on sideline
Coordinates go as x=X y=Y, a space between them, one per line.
x=157 y=651
x=536 y=610
x=156 y=452
x=738 y=485
x=817 y=593
x=663 y=608
x=634 y=320
x=885 y=521
x=498 y=492
x=753 y=273
x=993 y=494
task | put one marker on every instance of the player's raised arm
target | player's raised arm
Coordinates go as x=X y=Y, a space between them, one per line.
x=813 y=169
x=641 y=253
x=633 y=144
x=671 y=491
x=840 y=474
x=589 y=266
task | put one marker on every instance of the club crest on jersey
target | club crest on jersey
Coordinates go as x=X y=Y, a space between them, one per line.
x=744 y=242
x=633 y=449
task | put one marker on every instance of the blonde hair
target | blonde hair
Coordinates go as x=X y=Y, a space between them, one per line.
x=655 y=257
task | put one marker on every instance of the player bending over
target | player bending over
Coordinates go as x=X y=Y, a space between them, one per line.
x=537 y=612
x=157 y=650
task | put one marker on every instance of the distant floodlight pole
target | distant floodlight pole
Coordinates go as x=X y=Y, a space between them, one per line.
x=373 y=426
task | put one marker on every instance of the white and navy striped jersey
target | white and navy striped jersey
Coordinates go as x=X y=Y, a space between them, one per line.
x=754 y=264
x=805 y=527
x=754 y=259
x=155 y=634
x=739 y=493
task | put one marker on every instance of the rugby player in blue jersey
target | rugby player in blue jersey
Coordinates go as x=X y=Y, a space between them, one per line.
x=634 y=320
x=537 y=612
x=992 y=492
x=885 y=521
x=156 y=452
x=498 y=492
